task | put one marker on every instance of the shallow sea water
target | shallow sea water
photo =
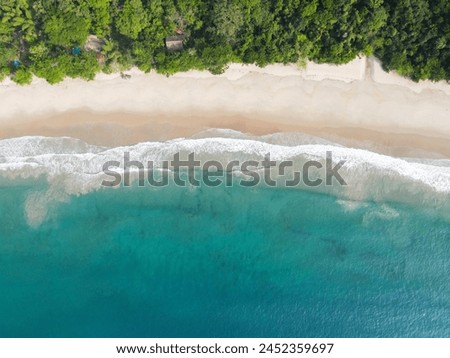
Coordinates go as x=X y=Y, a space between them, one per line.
x=220 y=262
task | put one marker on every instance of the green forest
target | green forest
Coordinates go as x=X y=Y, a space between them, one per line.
x=49 y=38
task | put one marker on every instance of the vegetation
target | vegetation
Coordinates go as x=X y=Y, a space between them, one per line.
x=47 y=38
x=22 y=76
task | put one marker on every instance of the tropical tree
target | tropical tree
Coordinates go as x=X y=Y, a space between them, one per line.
x=66 y=23
x=132 y=19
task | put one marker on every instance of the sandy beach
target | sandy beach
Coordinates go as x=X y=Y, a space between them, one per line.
x=357 y=104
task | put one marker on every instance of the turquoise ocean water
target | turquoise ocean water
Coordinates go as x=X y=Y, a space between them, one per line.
x=216 y=262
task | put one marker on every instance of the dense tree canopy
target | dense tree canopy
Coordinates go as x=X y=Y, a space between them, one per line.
x=48 y=38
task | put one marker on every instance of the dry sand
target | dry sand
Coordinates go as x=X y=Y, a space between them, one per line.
x=356 y=104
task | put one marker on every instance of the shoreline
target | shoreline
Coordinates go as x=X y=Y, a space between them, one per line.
x=356 y=104
x=122 y=129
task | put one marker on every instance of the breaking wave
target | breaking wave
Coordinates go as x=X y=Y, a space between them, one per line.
x=72 y=167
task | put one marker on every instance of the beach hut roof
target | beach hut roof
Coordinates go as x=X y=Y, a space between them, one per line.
x=175 y=42
x=93 y=43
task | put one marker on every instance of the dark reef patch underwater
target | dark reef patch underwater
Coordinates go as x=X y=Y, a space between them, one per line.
x=220 y=262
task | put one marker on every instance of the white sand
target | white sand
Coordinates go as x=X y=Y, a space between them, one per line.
x=391 y=78
x=356 y=95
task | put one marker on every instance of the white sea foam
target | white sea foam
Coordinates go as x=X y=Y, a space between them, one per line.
x=383 y=212
x=73 y=167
